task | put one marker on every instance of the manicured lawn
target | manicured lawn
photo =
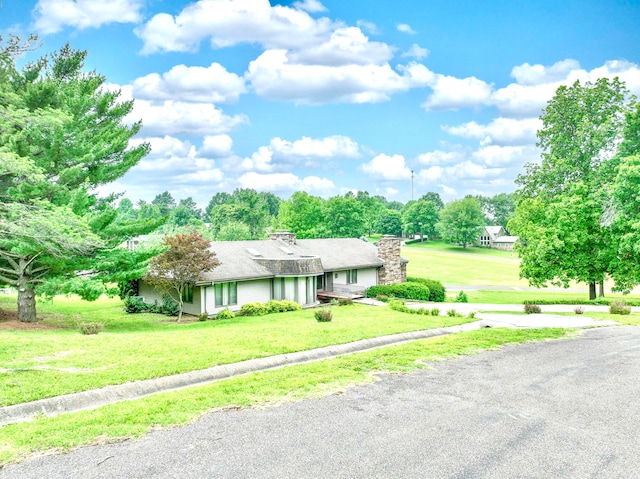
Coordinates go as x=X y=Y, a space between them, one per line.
x=438 y=245
x=519 y=297
x=39 y=364
x=463 y=269
x=134 y=418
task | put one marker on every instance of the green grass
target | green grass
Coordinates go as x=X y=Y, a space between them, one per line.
x=134 y=418
x=519 y=297
x=463 y=269
x=40 y=364
x=439 y=245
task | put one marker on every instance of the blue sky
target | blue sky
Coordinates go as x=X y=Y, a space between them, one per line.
x=328 y=96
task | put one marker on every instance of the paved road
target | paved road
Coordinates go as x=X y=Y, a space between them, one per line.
x=561 y=409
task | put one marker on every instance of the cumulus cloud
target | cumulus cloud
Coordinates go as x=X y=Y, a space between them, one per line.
x=229 y=22
x=216 y=146
x=501 y=131
x=451 y=93
x=404 y=28
x=494 y=156
x=440 y=157
x=286 y=183
x=387 y=167
x=312 y=6
x=416 y=51
x=273 y=76
x=51 y=16
x=175 y=117
x=315 y=148
x=198 y=84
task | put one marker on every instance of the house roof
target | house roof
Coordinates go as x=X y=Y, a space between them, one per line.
x=494 y=231
x=242 y=260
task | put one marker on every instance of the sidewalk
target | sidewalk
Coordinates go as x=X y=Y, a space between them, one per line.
x=111 y=394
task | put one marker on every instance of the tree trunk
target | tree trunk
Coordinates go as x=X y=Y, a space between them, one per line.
x=592 y=290
x=601 y=291
x=26 y=300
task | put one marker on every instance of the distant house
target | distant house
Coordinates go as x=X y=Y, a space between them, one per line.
x=496 y=237
x=286 y=268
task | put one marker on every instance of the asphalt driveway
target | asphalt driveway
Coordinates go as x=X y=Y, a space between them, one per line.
x=561 y=409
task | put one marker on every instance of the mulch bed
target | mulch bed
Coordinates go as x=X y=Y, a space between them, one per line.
x=9 y=321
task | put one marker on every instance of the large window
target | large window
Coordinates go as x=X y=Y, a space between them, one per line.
x=352 y=276
x=187 y=294
x=226 y=294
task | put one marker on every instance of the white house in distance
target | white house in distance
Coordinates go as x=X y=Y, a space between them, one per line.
x=283 y=267
x=496 y=237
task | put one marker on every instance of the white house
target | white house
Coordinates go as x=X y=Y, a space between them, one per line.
x=286 y=268
x=496 y=237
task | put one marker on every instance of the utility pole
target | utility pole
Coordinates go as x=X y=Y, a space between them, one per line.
x=412 y=175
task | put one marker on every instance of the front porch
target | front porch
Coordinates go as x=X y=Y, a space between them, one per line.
x=349 y=291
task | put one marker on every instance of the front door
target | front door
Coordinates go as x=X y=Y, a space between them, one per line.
x=328 y=282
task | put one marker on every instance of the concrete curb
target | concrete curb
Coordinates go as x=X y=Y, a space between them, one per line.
x=111 y=394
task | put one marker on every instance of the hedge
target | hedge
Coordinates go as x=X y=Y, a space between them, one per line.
x=401 y=290
x=437 y=292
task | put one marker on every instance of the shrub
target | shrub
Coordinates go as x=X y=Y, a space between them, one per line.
x=323 y=315
x=169 y=306
x=203 y=317
x=435 y=312
x=253 y=309
x=471 y=315
x=532 y=308
x=333 y=302
x=578 y=310
x=225 y=314
x=126 y=289
x=452 y=312
x=281 y=306
x=619 y=307
x=437 y=292
x=462 y=297
x=345 y=301
x=134 y=305
x=382 y=297
x=401 y=290
x=90 y=327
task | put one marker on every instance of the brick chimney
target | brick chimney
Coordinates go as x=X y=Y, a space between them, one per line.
x=286 y=236
x=395 y=267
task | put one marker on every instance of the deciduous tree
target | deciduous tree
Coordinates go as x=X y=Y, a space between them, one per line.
x=460 y=221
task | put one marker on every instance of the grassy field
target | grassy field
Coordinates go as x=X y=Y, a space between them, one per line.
x=520 y=297
x=39 y=364
x=439 y=245
x=131 y=419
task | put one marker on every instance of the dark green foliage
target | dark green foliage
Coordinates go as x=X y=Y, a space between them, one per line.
x=225 y=314
x=437 y=292
x=532 y=308
x=134 y=305
x=382 y=297
x=203 y=317
x=127 y=288
x=323 y=315
x=169 y=306
x=462 y=297
x=619 y=307
x=273 y=306
x=401 y=290
x=398 y=305
x=281 y=306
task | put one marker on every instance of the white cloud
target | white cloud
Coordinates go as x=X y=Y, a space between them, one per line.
x=387 y=167
x=440 y=157
x=273 y=76
x=229 y=22
x=175 y=117
x=494 y=156
x=450 y=93
x=404 y=28
x=345 y=46
x=216 y=145
x=312 y=6
x=526 y=74
x=51 y=16
x=501 y=131
x=310 y=148
x=416 y=51
x=198 y=84
x=286 y=183
x=390 y=192
x=370 y=27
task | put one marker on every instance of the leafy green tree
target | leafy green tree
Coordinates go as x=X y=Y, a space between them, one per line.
x=302 y=214
x=501 y=208
x=420 y=217
x=234 y=231
x=460 y=221
x=173 y=271
x=218 y=199
x=62 y=134
x=344 y=217
x=582 y=128
x=372 y=208
x=390 y=223
x=434 y=198
x=165 y=202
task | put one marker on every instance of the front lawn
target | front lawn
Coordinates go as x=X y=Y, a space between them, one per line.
x=37 y=364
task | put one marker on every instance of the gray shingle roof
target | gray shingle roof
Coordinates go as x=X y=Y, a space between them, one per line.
x=237 y=258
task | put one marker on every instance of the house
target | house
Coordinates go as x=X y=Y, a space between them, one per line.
x=496 y=237
x=284 y=267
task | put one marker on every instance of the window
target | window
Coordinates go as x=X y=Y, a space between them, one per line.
x=187 y=294
x=352 y=276
x=226 y=294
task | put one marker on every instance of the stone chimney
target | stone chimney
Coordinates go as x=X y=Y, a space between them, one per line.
x=287 y=237
x=395 y=267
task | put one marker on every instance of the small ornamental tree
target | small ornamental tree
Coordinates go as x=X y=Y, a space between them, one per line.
x=186 y=257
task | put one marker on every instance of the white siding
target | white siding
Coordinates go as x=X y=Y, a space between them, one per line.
x=149 y=293
x=254 y=291
x=368 y=277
